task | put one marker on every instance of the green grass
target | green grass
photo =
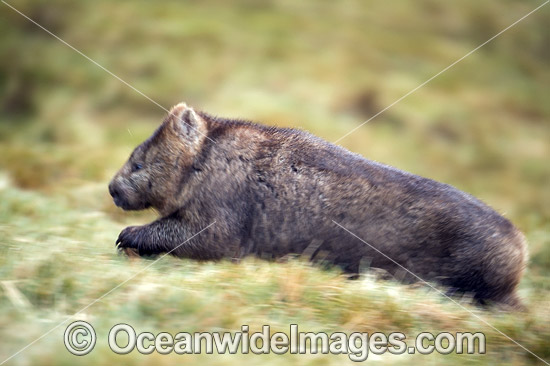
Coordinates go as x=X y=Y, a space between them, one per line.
x=66 y=126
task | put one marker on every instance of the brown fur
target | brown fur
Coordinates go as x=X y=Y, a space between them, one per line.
x=273 y=191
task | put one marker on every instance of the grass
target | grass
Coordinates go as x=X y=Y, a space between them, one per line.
x=66 y=126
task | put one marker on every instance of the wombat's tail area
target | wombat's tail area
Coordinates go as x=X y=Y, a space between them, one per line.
x=504 y=268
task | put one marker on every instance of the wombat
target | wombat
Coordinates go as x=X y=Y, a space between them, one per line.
x=272 y=192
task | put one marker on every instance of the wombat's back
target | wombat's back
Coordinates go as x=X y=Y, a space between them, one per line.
x=336 y=206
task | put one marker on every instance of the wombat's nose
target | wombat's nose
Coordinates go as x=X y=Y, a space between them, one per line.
x=113 y=191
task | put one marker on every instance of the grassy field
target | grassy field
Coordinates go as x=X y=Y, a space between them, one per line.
x=66 y=126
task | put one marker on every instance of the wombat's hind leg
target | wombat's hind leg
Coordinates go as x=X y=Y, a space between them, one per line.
x=510 y=302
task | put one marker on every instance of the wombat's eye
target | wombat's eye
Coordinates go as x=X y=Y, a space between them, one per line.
x=136 y=166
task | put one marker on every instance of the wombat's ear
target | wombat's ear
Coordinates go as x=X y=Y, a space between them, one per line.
x=187 y=123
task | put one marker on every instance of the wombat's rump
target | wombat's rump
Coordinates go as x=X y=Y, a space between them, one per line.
x=272 y=191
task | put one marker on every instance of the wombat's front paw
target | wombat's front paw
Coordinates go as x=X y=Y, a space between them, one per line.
x=129 y=238
x=132 y=242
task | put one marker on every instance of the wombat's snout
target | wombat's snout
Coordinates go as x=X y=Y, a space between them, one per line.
x=126 y=197
x=115 y=193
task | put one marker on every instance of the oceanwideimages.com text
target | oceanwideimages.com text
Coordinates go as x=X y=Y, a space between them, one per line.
x=123 y=339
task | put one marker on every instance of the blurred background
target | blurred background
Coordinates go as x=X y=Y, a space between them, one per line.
x=66 y=126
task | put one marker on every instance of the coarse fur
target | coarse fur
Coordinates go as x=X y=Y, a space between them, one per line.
x=272 y=191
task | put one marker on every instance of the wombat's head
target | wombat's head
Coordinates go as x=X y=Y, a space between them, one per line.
x=153 y=174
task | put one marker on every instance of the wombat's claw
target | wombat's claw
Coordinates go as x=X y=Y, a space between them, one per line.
x=118 y=244
x=119 y=248
x=126 y=239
